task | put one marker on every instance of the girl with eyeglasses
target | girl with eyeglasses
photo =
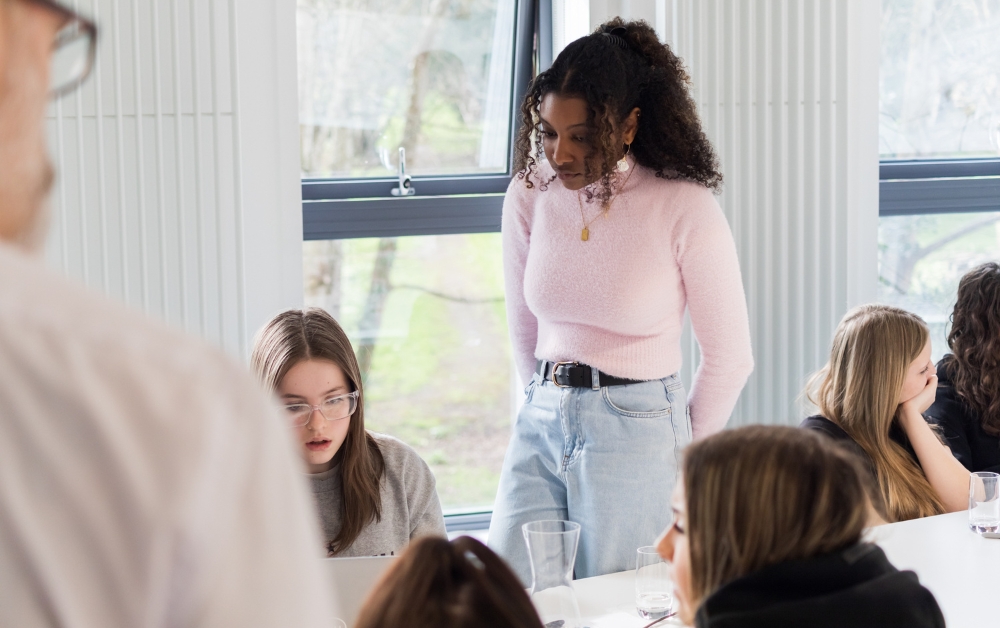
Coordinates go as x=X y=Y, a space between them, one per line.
x=374 y=493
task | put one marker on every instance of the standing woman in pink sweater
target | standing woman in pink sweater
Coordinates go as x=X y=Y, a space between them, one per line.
x=611 y=230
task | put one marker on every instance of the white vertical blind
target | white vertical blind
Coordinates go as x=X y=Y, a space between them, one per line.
x=570 y=21
x=788 y=94
x=156 y=204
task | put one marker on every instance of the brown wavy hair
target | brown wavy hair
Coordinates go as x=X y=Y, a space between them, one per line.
x=974 y=339
x=763 y=494
x=442 y=584
x=858 y=389
x=312 y=334
x=613 y=81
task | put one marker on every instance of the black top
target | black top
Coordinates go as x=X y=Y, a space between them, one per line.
x=857 y=586
x=834 y=431
x=962 y=428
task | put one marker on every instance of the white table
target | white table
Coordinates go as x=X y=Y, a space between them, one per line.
x=960 y=568
x=609 y=602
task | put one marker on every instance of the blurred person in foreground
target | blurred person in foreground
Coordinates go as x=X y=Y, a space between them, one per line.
x=449 y=584
x=144 y=478
x=767 y=531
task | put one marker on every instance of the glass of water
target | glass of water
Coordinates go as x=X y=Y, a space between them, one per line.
x=552 y=551
x=984 y=502
x=653 y=597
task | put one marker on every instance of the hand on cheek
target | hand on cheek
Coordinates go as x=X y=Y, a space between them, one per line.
x=925 y=397
x=919 y=385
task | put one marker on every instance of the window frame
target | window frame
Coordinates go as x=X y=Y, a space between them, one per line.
x=938 y=186
x=345 y=208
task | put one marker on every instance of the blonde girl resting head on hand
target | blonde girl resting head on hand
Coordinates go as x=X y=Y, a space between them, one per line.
x=373 y=492
x=871 y=396
x=767 y=533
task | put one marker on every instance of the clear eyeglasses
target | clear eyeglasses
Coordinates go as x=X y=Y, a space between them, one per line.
x=333 y=409
x=73 y=50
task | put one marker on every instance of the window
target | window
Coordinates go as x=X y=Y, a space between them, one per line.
x=939 y=79
x=416 y=280
x=434 y=81
x=427 y=318
x=922 y=257
x=434 y=77
x=939 y=138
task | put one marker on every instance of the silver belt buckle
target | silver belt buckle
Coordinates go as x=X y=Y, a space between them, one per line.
x=556 y=365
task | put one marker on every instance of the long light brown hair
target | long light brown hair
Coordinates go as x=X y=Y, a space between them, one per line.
x=974 y=340
x=859 y=389
x=762 y=495
x=442 y=584
x=312 y=334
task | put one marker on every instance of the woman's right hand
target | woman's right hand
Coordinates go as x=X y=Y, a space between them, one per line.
x=947 y=476
x=919 y=403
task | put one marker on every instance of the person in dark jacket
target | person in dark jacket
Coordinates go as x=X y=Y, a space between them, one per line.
x=767 y=532
x=967 y=407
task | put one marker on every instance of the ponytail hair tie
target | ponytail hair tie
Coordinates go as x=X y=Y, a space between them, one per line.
x=617 y=37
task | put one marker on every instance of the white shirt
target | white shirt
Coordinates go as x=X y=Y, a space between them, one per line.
x=145 y=481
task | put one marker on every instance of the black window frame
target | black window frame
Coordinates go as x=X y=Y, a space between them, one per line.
x=938 y=186
x=345 y=208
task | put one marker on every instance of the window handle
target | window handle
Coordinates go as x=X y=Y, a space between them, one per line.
x=405 y=187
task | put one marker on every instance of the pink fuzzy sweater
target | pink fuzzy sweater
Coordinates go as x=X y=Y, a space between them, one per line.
x=616 y=301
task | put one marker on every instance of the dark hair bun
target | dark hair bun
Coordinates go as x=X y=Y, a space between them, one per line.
x=617 y=68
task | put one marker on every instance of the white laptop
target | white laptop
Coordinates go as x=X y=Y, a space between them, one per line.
x=353 y=579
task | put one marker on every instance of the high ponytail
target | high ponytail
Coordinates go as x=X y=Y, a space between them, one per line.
x=613 y=80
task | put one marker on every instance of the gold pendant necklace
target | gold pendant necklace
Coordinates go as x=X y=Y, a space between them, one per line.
x=585 y=233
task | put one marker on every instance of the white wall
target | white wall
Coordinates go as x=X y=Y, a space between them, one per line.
x=178 y=186
x=788 y=94
x=570 y=21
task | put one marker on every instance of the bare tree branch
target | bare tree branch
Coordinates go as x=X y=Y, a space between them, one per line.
x=904 y=271
x=924 y=251
x=447 y=297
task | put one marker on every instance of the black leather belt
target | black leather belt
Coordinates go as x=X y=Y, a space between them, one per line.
x=576 y=375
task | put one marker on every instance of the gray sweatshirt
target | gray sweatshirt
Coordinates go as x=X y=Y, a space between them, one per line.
x=410 y=504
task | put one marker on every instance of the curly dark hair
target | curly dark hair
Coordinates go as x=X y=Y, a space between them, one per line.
x=615 y=73
x=974 y=339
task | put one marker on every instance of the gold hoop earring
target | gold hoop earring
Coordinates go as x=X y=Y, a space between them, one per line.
x=623 y=163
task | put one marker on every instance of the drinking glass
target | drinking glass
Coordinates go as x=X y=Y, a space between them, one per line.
x=552 y=551
x=339 y=623
x=652 y=584
x=984 y=502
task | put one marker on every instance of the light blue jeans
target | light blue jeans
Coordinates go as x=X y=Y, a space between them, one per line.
x=605 y=458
